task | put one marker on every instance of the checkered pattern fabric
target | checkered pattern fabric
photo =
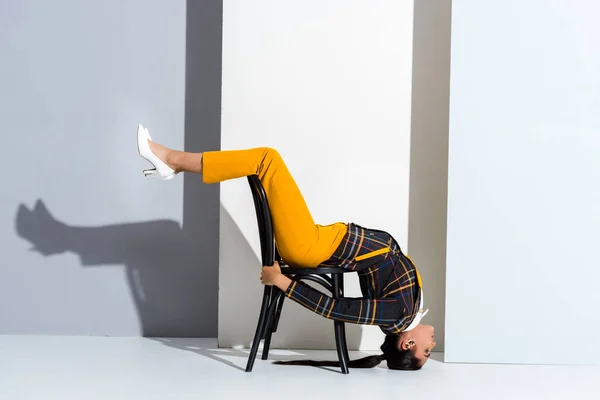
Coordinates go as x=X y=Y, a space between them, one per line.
x=388 y=280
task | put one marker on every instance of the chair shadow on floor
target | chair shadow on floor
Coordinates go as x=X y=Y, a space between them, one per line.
x=198 y=346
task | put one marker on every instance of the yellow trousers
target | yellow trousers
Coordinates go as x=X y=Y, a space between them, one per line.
x=300 y=241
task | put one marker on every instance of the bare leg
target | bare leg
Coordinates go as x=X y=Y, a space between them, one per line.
x=179 y=161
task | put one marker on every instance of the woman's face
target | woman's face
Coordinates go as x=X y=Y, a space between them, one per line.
x=421 y=339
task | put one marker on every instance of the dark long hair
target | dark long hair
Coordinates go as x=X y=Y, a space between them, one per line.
x=396 y=359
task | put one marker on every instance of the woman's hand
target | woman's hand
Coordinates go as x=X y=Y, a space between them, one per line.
x=270 y=274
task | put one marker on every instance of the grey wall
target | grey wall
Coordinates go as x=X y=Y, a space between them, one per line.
x=429 y=153
x=88 y=245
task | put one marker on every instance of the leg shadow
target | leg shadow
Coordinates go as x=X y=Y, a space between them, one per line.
x=164 y=264
x=172 y=270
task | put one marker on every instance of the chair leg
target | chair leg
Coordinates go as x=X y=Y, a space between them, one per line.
x=278 y=312
x=340 y=331
x=345 y=343
x=339 y=344
x=270 y=324
x=260 y=327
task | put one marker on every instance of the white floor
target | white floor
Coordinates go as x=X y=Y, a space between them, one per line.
x=89 y=368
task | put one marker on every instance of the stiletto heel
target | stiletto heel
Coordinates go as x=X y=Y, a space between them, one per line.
x=160 y=169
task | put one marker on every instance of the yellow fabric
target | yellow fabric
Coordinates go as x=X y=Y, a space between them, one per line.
x=300 y=241
x=417 y=271
x=372 y=254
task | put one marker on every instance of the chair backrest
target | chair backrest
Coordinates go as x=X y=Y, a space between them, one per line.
x=265 y=224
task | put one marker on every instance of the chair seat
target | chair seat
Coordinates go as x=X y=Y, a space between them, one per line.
x=287 y=270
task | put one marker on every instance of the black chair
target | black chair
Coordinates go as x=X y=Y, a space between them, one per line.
x=272 y=302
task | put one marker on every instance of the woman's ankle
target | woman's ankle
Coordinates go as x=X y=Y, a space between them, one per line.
x=165 y=154
x=173 y=160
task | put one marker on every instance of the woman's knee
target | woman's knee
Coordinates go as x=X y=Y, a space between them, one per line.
x=270 y=153
x=271 y=156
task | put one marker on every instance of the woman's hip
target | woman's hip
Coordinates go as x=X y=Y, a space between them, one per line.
x=360 y=244
x=311 y=250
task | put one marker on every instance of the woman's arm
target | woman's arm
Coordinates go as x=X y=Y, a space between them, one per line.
x=352 y=310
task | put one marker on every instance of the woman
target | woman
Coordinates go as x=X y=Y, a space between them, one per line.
x=389 y=281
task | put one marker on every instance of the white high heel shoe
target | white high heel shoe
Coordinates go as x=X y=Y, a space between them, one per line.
x=160 y=169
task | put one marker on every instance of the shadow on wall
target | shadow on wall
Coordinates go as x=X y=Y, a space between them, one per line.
x=240 y=300
x=173 y=285
x=171 y=282
x=172 y=270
